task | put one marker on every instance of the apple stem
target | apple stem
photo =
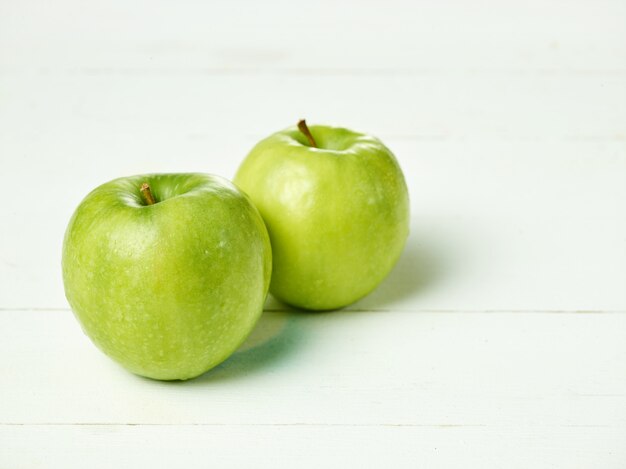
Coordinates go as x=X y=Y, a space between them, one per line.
x=147 y=194
x=307 y=133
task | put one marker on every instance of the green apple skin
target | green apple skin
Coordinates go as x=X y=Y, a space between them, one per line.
x=167 y=290
x=337 y=214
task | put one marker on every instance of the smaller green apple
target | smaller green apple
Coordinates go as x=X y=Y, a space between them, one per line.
x=336 y=206
x=167 y=273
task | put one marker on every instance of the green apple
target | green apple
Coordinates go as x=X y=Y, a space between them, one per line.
x=336 y=206
x=167 y=273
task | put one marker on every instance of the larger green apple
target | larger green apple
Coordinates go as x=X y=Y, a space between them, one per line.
x=336 y=206
x=167 y=273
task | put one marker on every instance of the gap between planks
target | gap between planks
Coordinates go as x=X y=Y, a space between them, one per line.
x=296 y=424
x=313 y=72
x=356 y=310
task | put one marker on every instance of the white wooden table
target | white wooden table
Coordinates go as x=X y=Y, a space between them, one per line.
x=498 y=341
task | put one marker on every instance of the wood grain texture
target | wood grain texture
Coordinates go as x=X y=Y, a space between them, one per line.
x=347 y=388
x=495 y=225
x=129 y=447
x=498 y=340
x=308 y=38
x=342 y=368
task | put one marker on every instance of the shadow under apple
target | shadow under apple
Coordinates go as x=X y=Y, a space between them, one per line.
x=272 y=340
x=419 y=268
x=279 y=333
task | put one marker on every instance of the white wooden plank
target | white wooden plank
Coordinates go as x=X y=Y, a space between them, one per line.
x=344 y=368
x=496 y=225
x=100 y=447
x=87 y=114
x=475 y=188
x=327 y=36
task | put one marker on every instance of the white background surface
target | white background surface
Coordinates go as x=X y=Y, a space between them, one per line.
x=498 y=341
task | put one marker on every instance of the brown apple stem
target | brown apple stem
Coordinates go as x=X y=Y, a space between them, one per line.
x=307 y=133
x=147 y=194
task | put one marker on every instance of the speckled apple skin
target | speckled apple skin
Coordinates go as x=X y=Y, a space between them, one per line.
x=337 y=215
x=168 y=290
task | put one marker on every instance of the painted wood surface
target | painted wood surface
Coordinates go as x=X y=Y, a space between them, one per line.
x=499 y=340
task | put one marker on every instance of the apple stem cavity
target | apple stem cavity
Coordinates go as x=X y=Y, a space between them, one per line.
x=147 y=194
x=307 y=133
